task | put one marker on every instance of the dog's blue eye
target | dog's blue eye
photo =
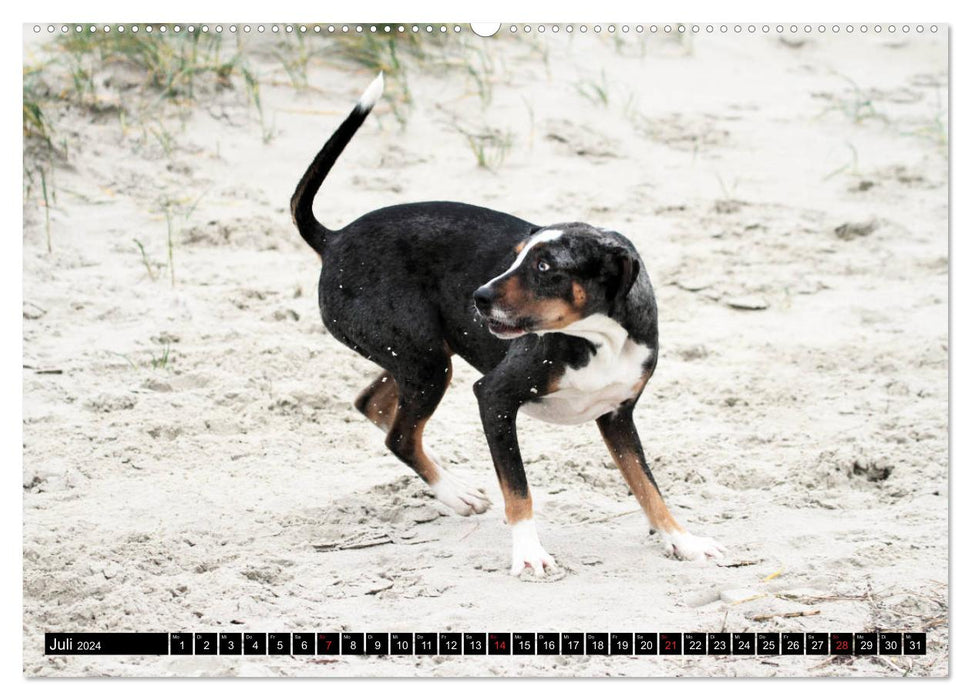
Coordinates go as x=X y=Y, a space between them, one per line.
x=542 y=266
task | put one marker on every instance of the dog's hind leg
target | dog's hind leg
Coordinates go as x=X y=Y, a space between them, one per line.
x=417 y=400
x=379 y=401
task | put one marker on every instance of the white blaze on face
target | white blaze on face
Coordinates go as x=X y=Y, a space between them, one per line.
x=542 y=237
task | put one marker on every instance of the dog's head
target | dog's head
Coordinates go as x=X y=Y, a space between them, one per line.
x=561 y=274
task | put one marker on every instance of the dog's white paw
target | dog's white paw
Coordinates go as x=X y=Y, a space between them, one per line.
x=688 y=547
x=459 y=496
x=527 y=551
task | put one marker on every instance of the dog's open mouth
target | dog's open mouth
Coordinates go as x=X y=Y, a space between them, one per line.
x=506 y=329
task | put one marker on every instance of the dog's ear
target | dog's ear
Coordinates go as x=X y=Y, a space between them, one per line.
x=621 y=274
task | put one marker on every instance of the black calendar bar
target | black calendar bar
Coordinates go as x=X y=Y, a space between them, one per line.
x=719 y=643
x=279 y=644
x=106 y=643
x=450 y=643
x=548 y=643
x=695 y=644
x=426 y=643
x=407 y=644
x=524 y=643
x=483 y=643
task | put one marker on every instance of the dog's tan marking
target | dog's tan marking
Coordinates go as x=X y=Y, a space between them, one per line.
x=579 y=295
x=409 y=449
x=642 y=382
x=379 y=401
x=405 y=441
x=517 y=507
x=426 y=468
x=554 y=313
x=511 y=293
x=519 y=248
x=644 y=491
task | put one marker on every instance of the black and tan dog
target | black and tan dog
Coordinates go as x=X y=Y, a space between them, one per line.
x=561 y=320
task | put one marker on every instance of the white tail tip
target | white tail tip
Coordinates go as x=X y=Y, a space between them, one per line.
x=373 y=92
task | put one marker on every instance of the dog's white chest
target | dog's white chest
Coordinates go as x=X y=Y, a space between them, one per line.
x=612 y=376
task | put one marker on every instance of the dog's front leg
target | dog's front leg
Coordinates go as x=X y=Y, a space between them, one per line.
x=498 y=411
x=620 y=434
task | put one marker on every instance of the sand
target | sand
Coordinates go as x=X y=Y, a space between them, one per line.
x=192 y=460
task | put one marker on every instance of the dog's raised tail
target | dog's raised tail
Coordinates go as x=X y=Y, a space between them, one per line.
x=301 y=204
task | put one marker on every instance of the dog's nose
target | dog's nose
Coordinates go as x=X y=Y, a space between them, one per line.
x=483 y=298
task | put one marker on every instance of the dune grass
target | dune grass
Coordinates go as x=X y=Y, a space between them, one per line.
x=172 y=65
x=149 y=81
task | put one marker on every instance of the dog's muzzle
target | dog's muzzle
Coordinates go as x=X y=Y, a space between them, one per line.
x=499 y=322
x=483 y=298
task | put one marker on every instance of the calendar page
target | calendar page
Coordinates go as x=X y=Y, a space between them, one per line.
x=462 y=350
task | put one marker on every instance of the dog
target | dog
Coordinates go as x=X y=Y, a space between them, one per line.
x=560 y=320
